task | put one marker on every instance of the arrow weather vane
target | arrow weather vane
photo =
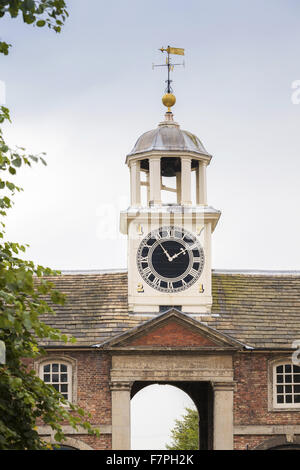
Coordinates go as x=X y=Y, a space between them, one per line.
x=169 y=50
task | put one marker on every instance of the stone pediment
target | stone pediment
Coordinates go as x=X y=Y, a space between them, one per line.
x=172 y=330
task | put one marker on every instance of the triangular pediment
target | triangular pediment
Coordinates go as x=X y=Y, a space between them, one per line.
x=172 y=329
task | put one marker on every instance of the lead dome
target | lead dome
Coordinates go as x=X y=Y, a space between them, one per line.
x=168 y=137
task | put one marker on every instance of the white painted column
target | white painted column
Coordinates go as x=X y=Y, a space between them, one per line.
x=148 y=187
x=201 y=189
x=135 y=183
x=120 y=402
x=178 y=187
x=155 y=184
x=186 y=168
x=223 y=415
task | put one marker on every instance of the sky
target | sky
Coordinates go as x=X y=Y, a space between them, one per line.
x=84 y=96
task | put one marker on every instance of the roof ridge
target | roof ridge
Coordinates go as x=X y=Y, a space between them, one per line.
x=257 y=272
x=214 y=271
x=93 y=271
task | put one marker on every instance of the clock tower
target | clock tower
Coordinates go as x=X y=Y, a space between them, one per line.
x=169 y=223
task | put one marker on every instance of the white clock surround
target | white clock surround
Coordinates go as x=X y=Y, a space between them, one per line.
x=163 y=152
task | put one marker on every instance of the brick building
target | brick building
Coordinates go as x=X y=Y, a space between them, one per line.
x=225 y=338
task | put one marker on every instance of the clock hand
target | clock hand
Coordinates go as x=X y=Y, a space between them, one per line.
x=166 y=253
x=177 y=254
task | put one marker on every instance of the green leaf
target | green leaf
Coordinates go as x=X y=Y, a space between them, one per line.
x=17 y=162
x=10 y=186
x=29 y=4
x=41 y=23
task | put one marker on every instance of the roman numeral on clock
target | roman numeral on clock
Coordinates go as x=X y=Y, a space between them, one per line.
x=193 y=272
x=147 y=271
x=170 y=233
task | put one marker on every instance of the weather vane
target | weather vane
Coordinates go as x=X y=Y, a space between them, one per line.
x=169 y=99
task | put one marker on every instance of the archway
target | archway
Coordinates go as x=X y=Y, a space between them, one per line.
x=192 y=394
x=279 y=443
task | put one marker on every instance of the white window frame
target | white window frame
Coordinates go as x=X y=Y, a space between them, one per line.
x=273 y=405
x=71 y=365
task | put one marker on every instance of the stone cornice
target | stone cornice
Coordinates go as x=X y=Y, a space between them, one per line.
x=169 y=153
x=117 y=386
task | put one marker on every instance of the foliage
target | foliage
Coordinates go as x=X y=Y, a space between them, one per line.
x=24 y=398
x=185 y=432
x=51 y=13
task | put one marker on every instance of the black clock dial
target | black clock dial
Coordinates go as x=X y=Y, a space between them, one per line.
x=170 y=259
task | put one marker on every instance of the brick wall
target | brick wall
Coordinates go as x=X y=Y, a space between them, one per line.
x=171 y=334
x=93 y=393
x=251 y=398
x=249 y=442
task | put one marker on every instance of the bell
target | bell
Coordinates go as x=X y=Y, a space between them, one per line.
x=169 y=170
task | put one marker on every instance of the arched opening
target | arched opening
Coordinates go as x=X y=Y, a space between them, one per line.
x=155 y=406
x=286 y=447
x=279 y=443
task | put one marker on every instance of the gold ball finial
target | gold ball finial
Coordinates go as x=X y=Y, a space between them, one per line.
x=169 y=100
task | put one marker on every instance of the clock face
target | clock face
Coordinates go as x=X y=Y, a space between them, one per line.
x=170 y=259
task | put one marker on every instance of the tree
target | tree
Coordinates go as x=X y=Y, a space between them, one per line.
x=24 y=397
x=185 y=434
x=51 y=13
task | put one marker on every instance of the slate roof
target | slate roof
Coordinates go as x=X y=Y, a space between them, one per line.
x=261 y=310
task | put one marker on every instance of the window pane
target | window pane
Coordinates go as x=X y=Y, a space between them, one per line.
x=288 y=379
x=57 y=375
x=288 y=389
x=288 y=368
x=280 y=399
x=279 y=379
x=297 y=378
x=279 y=388
x=288 y=399
x=297 y=398
x=279 y=369
x=296 y=369
x=296 y=388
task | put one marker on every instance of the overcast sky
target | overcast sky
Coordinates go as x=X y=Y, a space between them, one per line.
x=86 y=95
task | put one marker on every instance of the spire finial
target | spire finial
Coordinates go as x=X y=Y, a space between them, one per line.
x=169 y=99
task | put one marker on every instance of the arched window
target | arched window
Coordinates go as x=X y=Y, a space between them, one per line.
x=286 y=385
x=60 y=372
